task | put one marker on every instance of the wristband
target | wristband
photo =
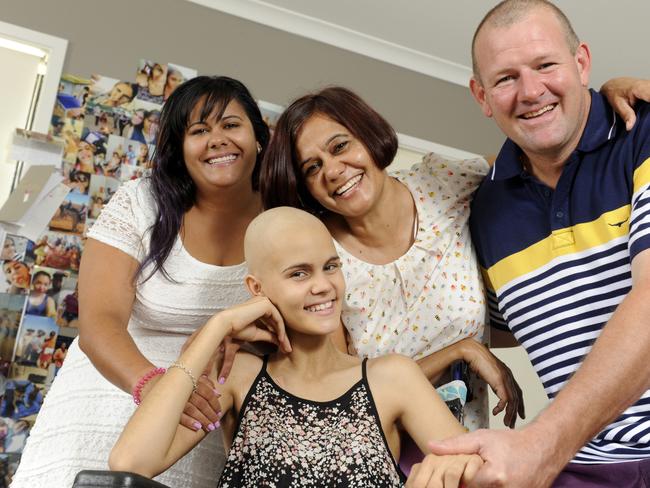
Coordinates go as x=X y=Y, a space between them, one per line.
x=187 y=371
x=137 y=389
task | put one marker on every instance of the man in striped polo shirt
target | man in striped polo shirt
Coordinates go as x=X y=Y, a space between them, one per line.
x=561 y=226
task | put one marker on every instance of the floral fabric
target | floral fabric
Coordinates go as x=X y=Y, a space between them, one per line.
x=286 y=441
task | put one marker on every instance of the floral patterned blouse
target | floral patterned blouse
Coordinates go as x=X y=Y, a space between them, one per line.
x=432 y=296
x=285 y=441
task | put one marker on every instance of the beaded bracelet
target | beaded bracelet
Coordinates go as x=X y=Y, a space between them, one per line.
x=137 y=389
x=187 y=371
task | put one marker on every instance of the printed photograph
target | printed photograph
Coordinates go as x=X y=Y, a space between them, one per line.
x=144 y=126
x=68 y=310
x=78 y=180
x=13 y=434
x=132 y=173
x=151 y=79
x=22 y=399
x=15 y=277
x=8 y=466
x=175 y=76
x=11 y=311
x=13 y=248
x=60 y=352
x=91 y=151
x=36 y=341
x=109 y=92
x=100 y=119
x=116 y=155
x=58 y=250
x=76 y=86
x=102 y=188
x=39 y=301
x=71 y=214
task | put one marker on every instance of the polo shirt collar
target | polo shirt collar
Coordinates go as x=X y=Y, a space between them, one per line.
x=602 y=125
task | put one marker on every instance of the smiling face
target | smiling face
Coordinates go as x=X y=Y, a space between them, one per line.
x=302 y=275
x=220 y=152
x=532 y=85
x=337 y=168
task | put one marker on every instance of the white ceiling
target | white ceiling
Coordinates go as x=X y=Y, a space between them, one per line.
x=433 y=36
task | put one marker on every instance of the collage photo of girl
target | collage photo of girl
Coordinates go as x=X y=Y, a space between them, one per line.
x=109 y=129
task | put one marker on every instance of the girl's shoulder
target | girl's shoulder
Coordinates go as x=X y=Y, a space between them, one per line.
x=391 y=360
x=391 y=368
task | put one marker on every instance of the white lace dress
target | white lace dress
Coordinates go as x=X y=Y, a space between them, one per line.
x=83 y=414
x=432 y=296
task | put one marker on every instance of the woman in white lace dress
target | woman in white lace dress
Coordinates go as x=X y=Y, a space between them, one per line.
x=412 y=281
x=165 y=255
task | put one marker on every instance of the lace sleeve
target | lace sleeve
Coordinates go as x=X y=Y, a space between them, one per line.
x=123 y=223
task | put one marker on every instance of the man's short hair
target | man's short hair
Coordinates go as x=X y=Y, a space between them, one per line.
x=509 y=12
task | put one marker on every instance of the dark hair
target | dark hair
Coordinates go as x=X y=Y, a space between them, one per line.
x=173 y=189
x=281 y=182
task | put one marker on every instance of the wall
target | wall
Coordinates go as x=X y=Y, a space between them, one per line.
x=109 y=38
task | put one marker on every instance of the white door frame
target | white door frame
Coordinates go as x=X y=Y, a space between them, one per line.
x=56 y=48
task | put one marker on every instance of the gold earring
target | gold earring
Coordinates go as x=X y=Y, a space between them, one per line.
x=259 y=148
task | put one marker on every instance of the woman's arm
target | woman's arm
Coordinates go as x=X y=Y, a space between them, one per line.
x=623 y=93
x=487 y=366
x=106 y=296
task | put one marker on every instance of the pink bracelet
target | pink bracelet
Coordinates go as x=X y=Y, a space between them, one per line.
x=137 y=389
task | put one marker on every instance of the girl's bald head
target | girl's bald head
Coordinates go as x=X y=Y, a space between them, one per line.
x=268 y=233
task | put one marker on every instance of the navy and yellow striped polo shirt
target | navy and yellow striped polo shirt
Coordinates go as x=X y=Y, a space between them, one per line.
x=557 y=262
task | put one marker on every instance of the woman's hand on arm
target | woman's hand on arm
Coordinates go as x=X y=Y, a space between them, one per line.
x=622 y=93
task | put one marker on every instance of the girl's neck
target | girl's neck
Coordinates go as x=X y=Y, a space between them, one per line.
x=310 y=357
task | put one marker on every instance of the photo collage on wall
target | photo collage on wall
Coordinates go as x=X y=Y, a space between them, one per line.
x=109 y=128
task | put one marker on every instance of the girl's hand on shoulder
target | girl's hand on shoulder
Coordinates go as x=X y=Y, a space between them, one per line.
x=256 y=320
x=451 y=471
x=500 y=378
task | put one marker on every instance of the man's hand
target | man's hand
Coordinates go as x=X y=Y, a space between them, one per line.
x=443 y=471
x=512 y=459
x=622 y=93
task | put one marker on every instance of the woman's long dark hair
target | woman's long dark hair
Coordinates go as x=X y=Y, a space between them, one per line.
x=173 y=189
